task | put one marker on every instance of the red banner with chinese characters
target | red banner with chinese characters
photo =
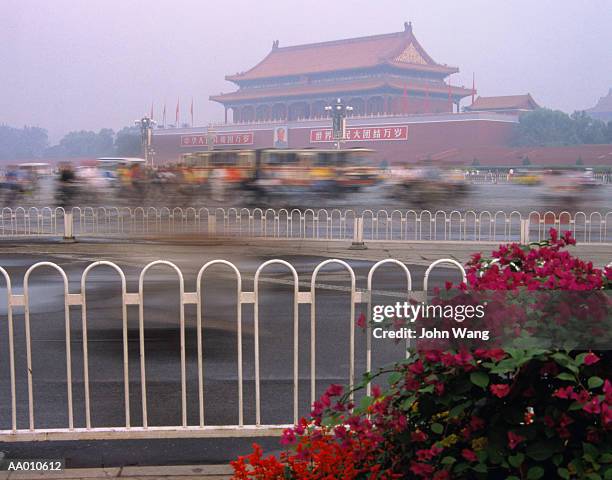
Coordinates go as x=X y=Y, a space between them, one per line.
x=230 y=138
x=362 y=134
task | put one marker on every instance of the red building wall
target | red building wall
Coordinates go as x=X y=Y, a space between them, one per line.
x=425 y=137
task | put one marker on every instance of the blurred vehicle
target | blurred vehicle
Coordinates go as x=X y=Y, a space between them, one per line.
x=36 y=169
x=427 y=183
x=526 y=177
x=282 y=174
x=111 y=168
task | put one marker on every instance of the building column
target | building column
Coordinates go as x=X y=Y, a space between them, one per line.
x=225 y=108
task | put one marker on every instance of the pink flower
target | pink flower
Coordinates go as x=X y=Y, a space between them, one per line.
x=417 y=367
x=288 y=437
x=426 y=454
x=421 y=469
x=564 y=393
x=441 y=475
x=592 y=406
x=514 y=440
x=432 y=356
x=477 y=423
x=591 y=359
x=469 y=455
x=376 y=391
x=418 y=436
x=334 y=390
x=500 y=390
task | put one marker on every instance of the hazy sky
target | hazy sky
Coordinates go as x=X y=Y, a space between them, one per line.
x=88 y=64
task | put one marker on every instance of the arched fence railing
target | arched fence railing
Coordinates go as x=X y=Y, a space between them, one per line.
x=308 y=224
x=136 y=375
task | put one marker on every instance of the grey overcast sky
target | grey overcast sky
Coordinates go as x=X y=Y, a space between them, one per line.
x=89 y=64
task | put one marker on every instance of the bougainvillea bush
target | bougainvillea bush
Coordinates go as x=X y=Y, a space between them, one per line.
x=507 y=413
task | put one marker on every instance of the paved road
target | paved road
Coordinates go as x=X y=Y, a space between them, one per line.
x=162 y=343
x=479 y=197
x=219 y=333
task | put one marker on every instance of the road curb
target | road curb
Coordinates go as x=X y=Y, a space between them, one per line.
x=207 y=472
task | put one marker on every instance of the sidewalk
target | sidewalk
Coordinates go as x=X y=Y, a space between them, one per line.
x=182 y=472
x=412 y=253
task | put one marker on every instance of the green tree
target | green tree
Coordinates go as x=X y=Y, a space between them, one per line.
x=551 y=128
x=86 y=144
x=22 y=143
x=127 y=142
x=587 y=129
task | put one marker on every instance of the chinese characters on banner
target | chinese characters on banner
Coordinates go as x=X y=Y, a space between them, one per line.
x=230 y=138
x=362 y=134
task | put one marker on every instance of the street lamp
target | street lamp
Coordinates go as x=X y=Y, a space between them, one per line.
x=146 y=125
x=338 y=112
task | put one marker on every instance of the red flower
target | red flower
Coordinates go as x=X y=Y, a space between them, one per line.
x=418 y=436
x=591 y=359
x=421 y=469
x=334 y=390
x=361 y=321
x=469 y=455
x=564 y=393
x=288 y=437
x=592 y=406
x=477 y=423
x=514 y=440
x=441 y=475
x=500 y=390
x=416 y=367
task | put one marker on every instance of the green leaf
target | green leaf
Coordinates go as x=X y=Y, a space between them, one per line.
x=534 y=473
x=580 y=358
x=365 y=402
x=408 y=402
x=437 y=428
x=513 y=477
x=593 y=476
x=480 y=379
x=448 y=460
x=605 y=458
x=563 y=473
x=516 y=460
x=480 y=468
x=590 y=449
x=458 y=410
x=427 y=389
x=395 y=377
x=595 y=382
x=543 y=450
x=566 y=376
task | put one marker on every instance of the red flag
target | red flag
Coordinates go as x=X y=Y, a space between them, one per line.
x=191 y=110
x=473 y=86
x=177 y=112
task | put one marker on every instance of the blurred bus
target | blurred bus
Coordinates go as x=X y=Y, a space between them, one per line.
x=348 y=168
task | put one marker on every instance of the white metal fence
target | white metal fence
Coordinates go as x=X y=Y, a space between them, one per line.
x=17 y=302
x=478 y=177
x=309 y=224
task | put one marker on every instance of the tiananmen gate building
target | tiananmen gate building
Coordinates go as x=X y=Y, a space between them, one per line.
x=404 y=105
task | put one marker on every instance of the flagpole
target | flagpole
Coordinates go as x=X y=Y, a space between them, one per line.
x=473 y=86
x=450 y=95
